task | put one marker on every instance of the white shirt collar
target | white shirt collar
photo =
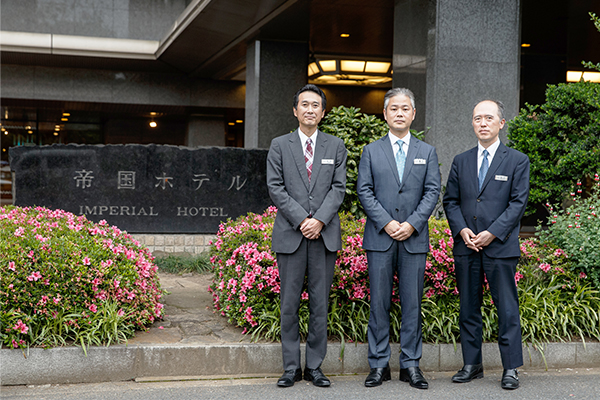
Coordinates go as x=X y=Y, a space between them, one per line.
x=394 y=139
x=491 y=149
x=304 y=138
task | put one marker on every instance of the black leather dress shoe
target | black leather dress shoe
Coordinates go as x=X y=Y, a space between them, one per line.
x=510 y=379
x=468 y=372
x=377 y=376
x=289 y=377
x=414 y=376
x=316 y=376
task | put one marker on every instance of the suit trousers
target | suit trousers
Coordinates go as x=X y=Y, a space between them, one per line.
x=313 y=261
x=410 y=268
x=500 y=273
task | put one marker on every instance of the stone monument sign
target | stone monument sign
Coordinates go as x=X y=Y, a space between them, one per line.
x=143 y=188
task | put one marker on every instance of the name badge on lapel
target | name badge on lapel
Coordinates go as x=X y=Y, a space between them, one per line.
x=327 y=161
x=420 y=161
x=502 y=178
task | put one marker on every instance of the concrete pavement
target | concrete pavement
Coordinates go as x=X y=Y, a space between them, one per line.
x=192 y=342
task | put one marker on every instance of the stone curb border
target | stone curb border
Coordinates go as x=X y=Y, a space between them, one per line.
x=120 y=363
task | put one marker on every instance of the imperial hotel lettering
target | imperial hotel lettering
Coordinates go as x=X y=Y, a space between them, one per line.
x=143 y=188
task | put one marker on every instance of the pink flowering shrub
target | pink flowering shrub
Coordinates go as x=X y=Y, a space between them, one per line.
x=66 y=279
x=576 y=230
x=245 y=286
x=439 y=268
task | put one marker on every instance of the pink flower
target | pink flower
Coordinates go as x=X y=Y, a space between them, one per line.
x=120 y=313
x=518 y=277
x=34 y=277
x=19 y=232
x=304 y=296
x=86 y=261
x=545 y=267
x=242 y=298
x=20 y=326
x=93 y=308
x=582 y=275
x=11 y=265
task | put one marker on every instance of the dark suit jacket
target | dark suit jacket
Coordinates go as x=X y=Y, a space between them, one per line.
x=498 y=208
x=296 y=199
x=385 y=199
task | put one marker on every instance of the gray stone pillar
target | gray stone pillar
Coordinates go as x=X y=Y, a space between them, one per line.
x=205 y=131
x=410 y=52
x=472 y=53
x=274 y=73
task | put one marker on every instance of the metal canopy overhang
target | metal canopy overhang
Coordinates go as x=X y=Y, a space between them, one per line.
x=208 y=39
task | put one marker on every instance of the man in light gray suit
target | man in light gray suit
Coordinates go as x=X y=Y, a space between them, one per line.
x=398 y=186
x=306 y=177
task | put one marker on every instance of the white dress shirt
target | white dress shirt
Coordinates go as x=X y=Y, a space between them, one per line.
x=491 y=152
x=394 y=139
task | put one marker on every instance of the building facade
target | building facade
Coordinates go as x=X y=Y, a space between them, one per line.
x=223 y=72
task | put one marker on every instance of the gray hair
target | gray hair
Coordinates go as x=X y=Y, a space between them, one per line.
x=498 y=104
x=399 y=91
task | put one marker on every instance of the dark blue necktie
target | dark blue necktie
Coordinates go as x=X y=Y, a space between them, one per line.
x=484 y=168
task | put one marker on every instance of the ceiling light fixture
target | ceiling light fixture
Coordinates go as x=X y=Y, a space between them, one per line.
x=345 y=35
x=525 y=45
x=331 y=71
x=239 y=121
x=153 y=124
x=66 y=114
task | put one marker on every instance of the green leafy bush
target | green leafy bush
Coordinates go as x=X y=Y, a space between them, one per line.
x=179 y=264
x=589 y=64
x=246 y=287
x=561 y=138
x=576 y=230
x=66 y=279
x=356 y=130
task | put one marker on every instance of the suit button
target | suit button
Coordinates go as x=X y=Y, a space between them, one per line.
x=479 y=200
x=474 y=217
x=396 y=210
x=310 y=197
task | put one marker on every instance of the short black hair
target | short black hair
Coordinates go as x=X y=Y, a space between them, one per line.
x=310 y=88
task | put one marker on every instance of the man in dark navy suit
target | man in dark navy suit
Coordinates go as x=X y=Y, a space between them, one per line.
x=398 y=186
x=485 y=199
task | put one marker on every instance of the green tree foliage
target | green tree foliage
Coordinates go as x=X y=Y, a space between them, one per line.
x=589 y=64
x=561 y=138
x=356 y=130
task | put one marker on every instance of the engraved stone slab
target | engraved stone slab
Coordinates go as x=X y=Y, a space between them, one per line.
x=143 y=188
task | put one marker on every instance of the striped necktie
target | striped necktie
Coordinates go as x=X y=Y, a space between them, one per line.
x=308 y=157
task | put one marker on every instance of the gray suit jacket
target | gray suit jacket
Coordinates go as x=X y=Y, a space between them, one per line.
x=296 y=198
x=385 y=199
